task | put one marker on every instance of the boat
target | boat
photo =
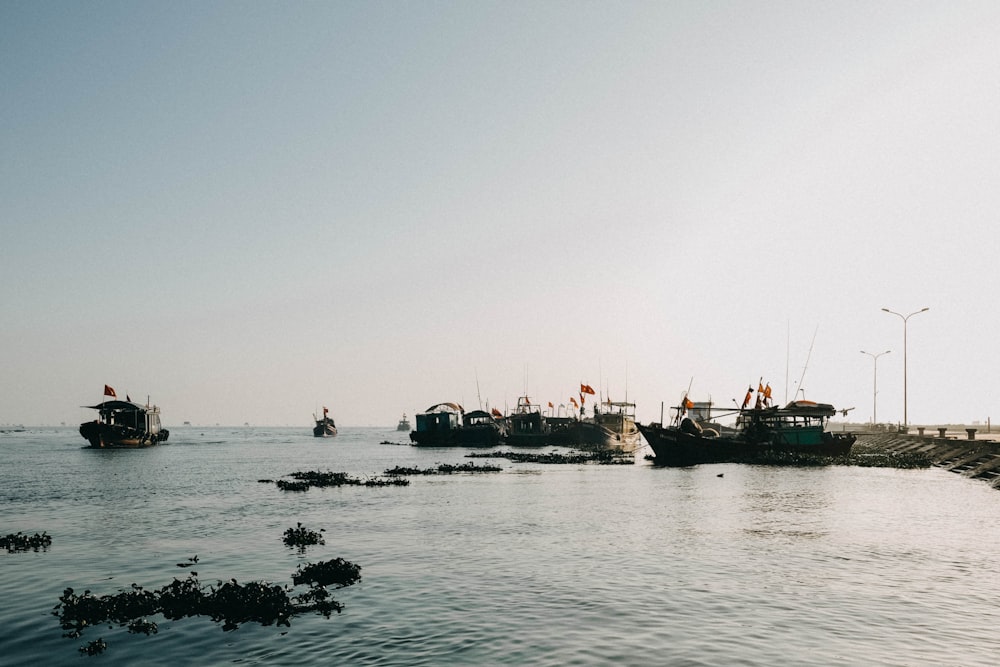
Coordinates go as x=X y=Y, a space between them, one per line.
x=617 y=426
x=800 y=427
x=527 y=426
x=325 y=427
x=404 y=424
x=124 y=424
x=448 y=425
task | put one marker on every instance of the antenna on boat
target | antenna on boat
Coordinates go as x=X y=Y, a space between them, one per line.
x=804 y=368
x=788 y=343
x=478 y=395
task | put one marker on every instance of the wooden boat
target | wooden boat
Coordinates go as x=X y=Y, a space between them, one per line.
x=448 y=425
x=124 y=424
x=527 y=426
x=325 y=427
x=798 y=428
x=404 y=424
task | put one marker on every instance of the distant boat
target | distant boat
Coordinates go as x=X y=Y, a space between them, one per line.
x=797 y=428
x=404 y=424
x=325 y=427
x=123 y=424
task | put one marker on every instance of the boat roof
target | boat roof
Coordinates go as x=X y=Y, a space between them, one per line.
x=808 y=409
x=445 y=407
x=127 y=406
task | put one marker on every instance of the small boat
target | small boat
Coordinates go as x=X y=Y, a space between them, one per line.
x=124 y=424
x=449 y=425
x=325 y=427
x=798 y=428
x=404 y=424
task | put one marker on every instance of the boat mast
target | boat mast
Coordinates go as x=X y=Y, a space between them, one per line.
x=804 y=368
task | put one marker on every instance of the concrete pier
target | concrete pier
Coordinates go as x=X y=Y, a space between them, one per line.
x=979 y=459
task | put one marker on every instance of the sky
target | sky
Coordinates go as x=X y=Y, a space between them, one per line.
x=246 y=211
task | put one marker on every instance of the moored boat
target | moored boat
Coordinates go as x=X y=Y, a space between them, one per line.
x=123 y=424
x=800 y=427
x=325 y=427
x=404 y=424
x=449 y=425
x=617 y=426
x=527 y=426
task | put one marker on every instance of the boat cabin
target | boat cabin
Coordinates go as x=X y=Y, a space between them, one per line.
x=130 y=415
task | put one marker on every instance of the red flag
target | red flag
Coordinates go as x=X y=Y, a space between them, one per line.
x=573 y=400
x=586 y=389
x=550 y=404
x=583 y=399
x=496 y=413
x=746 y=399
x=688 y=403
x=108 y=391
x=767 y=390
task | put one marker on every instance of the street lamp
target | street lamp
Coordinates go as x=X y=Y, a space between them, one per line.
x=875 y=384
x=906 y=421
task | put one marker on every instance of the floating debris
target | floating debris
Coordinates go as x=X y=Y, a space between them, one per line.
x=95 y=647
x=443 y=469
x=311 y=478
x=229 y=603
x=21 y=542
x=600 y=457
x=302 y=537
x=190 y=561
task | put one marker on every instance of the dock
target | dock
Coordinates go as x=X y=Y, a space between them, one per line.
x=955 y=451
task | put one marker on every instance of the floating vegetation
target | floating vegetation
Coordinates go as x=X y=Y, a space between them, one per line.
x=600 y=457
x=95 y=647
x=303 y=481
x=302 y=537
x=443 y=469
x=21 y=542
x=862 y=457
x=229 y=603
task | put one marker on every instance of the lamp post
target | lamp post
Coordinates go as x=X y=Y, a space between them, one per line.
x=906 y=421
x=875 y=384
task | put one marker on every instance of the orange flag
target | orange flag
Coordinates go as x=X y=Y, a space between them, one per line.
x=573 y=400
x=586 y=389
x=108 y=391
x=550 y=404
x=496 y=413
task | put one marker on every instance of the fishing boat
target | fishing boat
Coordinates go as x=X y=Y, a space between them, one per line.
x=404 y=424
x=617 y=426
x=438 y=425
x=124 y=424
x=527 y=426
x=448 y=425
x=325 y=427
x=800 y=427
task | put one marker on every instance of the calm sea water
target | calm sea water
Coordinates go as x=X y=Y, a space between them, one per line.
x=538 y=564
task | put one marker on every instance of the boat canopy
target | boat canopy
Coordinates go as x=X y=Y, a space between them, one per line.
x=445 y=407
x=118 y=406
x=809 y=409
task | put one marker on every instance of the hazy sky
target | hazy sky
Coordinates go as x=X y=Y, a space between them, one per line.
x=249 y=210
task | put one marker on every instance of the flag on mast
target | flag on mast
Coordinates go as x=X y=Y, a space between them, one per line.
x=108 y=391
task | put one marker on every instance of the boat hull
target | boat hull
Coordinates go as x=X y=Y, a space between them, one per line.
x=115 y=436
x=324 y=429
x=674 y=447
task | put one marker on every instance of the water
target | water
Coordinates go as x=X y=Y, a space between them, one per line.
x=541 y=565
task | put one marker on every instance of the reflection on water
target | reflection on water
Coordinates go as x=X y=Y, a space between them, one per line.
x=542 y=565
